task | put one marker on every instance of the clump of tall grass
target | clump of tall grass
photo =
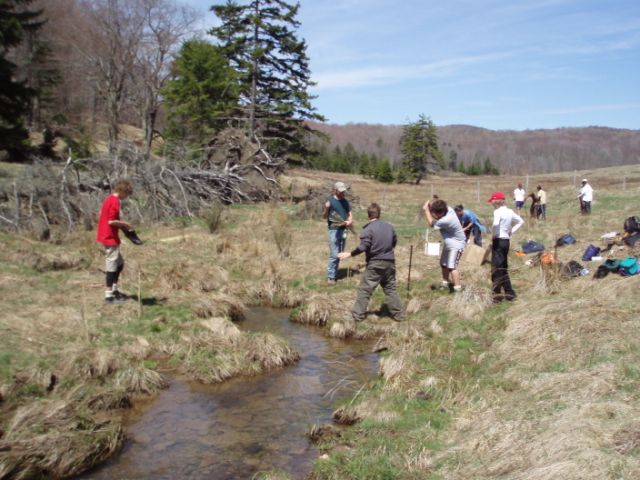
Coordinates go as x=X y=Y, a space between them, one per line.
x=214 y=215
x=282 y=233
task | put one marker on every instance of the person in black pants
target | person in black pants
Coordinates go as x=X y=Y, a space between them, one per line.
x=505 y=223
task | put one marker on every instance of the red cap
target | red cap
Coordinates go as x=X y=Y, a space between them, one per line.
x=497 y=196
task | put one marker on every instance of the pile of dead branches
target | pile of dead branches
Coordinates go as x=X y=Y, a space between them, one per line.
x=233 y=170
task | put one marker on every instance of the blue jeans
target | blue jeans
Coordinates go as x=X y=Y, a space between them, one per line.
x=336 y=245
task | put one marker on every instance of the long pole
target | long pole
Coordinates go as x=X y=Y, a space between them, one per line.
x=409 y=274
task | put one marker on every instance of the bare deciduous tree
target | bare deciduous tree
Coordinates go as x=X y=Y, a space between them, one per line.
x=166 y=24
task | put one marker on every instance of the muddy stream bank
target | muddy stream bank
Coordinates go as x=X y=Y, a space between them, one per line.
x=246 y=425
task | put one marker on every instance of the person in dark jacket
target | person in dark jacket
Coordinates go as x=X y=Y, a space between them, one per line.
x=377 y=240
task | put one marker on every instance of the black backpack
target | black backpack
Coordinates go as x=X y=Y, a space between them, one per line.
x=632 y=225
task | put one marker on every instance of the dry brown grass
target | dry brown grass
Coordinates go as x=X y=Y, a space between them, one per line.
x=49 y=438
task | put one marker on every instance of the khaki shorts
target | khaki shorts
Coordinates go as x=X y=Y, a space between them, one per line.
x=113 y=259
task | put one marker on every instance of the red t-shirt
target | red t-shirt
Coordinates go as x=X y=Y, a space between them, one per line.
x=108 y=234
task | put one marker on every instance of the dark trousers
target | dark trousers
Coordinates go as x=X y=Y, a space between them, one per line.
x=585 y=207
x=477 y=235
x=500 y=268
x=378 y=272
x=541 y=211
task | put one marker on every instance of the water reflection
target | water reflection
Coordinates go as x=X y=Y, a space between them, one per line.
x=247 y=425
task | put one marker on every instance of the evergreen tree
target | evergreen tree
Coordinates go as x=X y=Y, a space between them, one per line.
x=200 y=94
x=15 y=21
x=384 y=172
x=419 y=145
x=258 y=37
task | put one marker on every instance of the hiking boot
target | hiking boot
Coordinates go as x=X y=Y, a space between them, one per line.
x=119 y=295
x=113 y=301
x=457 y=290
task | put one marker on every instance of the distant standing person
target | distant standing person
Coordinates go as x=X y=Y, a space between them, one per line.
x=586 y=197
x=505 y=223
x=541 y=207
x=108 y=225
x=377 y=240
x=470 y=224
x=444 y=218
x=518 y=196
x=337 y=211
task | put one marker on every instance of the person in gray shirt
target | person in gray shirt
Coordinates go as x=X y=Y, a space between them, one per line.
x=444 y=218
x=377 y=241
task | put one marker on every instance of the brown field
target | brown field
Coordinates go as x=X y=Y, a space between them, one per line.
x=544 y=388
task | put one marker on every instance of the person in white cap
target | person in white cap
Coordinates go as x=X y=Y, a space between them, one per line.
x=337 y=211
x=586 y=197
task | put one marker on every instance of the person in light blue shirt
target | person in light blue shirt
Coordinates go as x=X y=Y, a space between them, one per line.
x=470 y=224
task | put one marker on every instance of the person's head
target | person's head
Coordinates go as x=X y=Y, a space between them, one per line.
x=539 y=187
x=519 y=185
x=459 y=209
x=339 y=188
x=373 y=211
x=497 y=199
x=438 y=208
x=584 y=181
x=123 y=188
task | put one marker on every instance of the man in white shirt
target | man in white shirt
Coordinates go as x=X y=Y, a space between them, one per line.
x=586 y=197
x=518 y=195
x=505 y=223
x=442 y=217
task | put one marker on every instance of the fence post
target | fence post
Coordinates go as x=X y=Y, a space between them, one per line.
x=478 y=191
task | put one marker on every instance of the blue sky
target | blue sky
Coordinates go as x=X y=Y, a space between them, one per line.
x=497 y=64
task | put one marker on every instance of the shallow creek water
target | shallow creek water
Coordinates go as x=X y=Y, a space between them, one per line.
x=245 y=425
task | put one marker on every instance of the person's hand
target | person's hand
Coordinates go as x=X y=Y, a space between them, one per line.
x=426 y=206
x=344 y=255
x=347 y=223
x=327 y=204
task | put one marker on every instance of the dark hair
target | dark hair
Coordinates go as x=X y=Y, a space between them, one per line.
x=439 y=207
x=459 y=208
x=373 y=211
x=539 y=187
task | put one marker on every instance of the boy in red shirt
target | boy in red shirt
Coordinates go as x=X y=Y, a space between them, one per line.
x=108 y=225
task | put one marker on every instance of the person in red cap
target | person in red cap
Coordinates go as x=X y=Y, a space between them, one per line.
x=505 y=223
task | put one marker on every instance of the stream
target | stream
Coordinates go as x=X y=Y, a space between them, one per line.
x=246 y=425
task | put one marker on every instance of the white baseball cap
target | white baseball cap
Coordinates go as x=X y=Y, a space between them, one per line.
x=584 y=180
x=340 y=187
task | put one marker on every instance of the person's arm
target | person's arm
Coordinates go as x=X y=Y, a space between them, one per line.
x=349 y=221
x=427 y=211
x=496 y=224
x=113 y=219
x=365 y=243
x=327 y=207
x=519 y=222
x=121 y=224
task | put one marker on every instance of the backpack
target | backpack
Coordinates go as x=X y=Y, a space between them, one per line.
x=629 y=266
x=572 y=269
x=590 y=252
x=566 y=239
x=632 y=225
x=531 y=246
x=631 y=240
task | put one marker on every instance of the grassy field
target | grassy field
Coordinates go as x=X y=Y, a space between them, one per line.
x=544 y=387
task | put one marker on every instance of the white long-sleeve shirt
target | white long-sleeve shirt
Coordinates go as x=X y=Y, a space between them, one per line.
x=586 y=193
x=505 y=222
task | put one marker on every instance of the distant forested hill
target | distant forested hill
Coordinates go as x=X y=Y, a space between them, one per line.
x=529 y=151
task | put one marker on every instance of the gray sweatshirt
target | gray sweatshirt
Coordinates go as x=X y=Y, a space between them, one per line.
x=377 y=240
